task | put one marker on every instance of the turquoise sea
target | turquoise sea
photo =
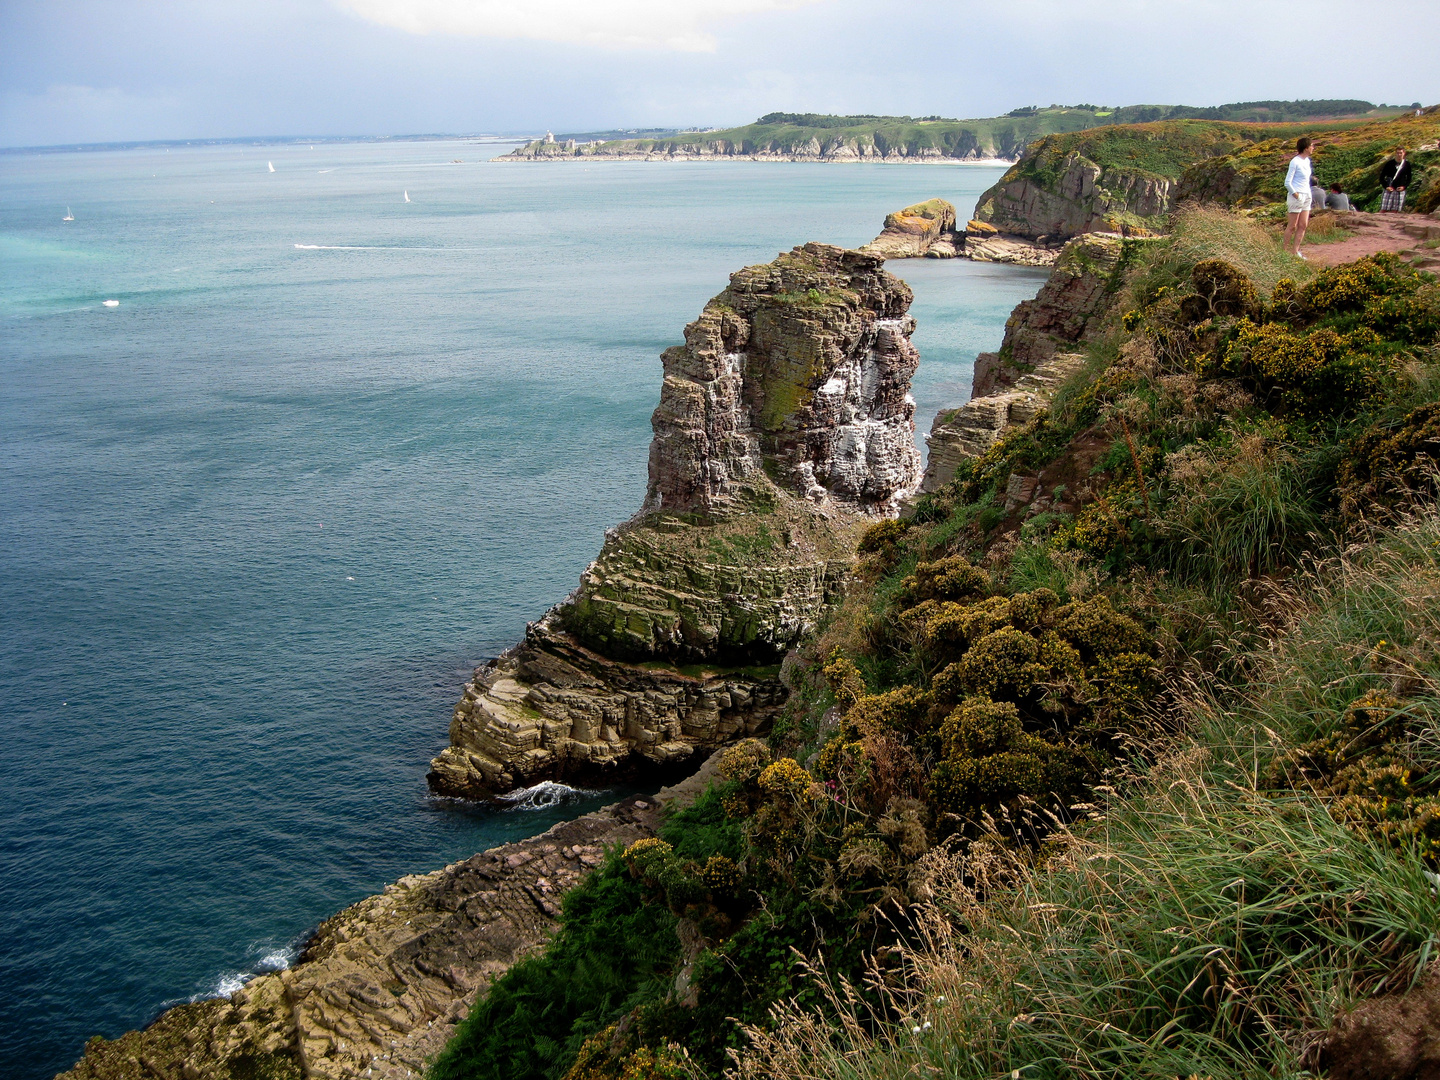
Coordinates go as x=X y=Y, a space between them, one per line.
x=331 y=449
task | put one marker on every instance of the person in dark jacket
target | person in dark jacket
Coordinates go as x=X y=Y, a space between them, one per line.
x=1394 y=178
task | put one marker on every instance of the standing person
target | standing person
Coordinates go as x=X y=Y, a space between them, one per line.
x=1297 y=199
x=1394 y=178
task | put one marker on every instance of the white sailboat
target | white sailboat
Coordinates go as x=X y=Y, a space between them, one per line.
x=407 y=196
x=271 y=164
x=68 y=215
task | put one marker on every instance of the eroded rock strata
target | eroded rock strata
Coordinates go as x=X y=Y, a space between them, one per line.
x=380 y=987
x=799 y=371
x=925 y=229
x=1038 y=354
x=785 y=423
x=552 y=709
x=1050 y=195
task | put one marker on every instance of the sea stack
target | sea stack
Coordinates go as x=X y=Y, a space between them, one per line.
x=785 y=426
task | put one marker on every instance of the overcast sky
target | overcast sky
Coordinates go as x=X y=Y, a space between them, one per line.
x=113 y=70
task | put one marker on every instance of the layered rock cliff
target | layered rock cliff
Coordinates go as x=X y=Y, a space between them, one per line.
x=926 y=228
x=785 y=423
x=1039 y=352
x=698 y=147
x=1042 y=199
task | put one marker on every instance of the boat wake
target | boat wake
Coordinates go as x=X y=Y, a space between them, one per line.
x=543 y=796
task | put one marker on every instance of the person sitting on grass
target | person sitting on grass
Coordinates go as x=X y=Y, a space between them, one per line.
x=1394 y=178
x=1297 y=196
x=1337 y=200
x=1317 y=196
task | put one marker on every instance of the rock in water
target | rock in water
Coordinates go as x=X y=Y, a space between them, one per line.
x=785 y=424
x=926 y=228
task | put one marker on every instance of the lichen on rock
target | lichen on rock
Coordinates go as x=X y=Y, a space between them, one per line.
x=799 y=371
x=926 y=228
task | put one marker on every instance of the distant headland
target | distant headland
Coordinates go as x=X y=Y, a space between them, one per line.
x=780 y=136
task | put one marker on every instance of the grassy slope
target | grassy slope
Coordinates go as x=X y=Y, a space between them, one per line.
x=1253 y=175
x=1230 y=894
x=1002 y=136
x=1178 y=837
x=1236 y=164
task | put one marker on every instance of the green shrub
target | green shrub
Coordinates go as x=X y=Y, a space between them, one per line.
x=1388 y=467
x=613 y=951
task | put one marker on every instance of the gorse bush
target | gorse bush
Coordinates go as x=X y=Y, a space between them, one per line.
x=1389 y=467
x=1264 y=874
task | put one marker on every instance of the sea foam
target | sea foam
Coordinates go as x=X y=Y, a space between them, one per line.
x=543 y=796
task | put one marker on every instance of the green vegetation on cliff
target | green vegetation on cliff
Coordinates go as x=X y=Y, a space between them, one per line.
x=818 y=134
x=1134 y=775
x=1127 y=178
x=1252 y=175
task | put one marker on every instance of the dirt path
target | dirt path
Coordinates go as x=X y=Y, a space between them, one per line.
x=1404 y=234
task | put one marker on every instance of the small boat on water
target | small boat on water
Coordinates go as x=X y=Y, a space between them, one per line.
x=271 y=164
x=407 y=196
x=68 y=215
x=110 y=303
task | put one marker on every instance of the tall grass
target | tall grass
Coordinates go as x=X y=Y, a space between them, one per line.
x=1200 y=925
x=1241 y=511
x=1202 y=930
x=1210 y=232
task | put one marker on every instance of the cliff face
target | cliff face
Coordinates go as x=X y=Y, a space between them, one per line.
x=825 y=146
x=1037 y=355
x=1073 y=196
x=799 y=371
x=785 y=423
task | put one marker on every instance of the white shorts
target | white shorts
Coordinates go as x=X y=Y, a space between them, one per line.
x=1298 y=203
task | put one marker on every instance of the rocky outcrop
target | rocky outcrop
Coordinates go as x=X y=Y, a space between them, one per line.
x=1037 y=355
x=1063 y=313
x=740 y=589
x=926 y=228
x=1049 y=201
x=785 y=424
x=380 y=987
x=799 y=371
x=973 y=428
x=982 y=242
x=552 y=709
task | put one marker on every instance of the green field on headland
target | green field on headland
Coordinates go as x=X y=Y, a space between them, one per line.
x=826 y=137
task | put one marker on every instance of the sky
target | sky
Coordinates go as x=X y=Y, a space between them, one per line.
x=78 y=71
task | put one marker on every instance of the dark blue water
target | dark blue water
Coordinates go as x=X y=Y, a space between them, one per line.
x=331 y=449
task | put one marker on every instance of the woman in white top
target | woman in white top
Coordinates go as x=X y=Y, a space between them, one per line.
x=1297 y=196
